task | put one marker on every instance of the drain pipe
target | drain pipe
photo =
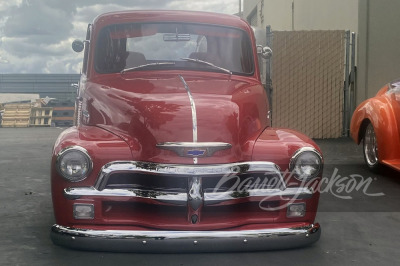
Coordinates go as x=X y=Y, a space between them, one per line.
x=293 y=15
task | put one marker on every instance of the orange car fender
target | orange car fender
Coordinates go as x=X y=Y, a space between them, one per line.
x=378 y=111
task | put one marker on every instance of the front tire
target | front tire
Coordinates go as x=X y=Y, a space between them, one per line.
x=370 y=149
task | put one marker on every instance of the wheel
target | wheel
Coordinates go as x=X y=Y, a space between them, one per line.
x=370 y=149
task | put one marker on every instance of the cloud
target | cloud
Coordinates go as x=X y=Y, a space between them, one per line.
x=39 y=21
x=6 y=5
x=36 y=35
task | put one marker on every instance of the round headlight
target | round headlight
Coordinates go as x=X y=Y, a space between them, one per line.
x=74 y=163
x=306 y=164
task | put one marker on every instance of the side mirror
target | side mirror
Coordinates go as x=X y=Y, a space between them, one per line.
x=264 y=51
x=78 y=46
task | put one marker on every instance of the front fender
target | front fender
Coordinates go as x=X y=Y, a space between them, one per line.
x=102 y=146
x=278 y=145
x=379 y=112
x=359 y=121
x=364 y=114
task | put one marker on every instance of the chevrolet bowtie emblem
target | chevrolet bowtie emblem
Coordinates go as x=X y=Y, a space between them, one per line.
x=194 y=149
x=195 y=153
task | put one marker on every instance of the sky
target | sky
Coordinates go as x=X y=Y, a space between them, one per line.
x=36 y=35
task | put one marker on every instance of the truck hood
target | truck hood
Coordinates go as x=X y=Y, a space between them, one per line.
x=150 y=110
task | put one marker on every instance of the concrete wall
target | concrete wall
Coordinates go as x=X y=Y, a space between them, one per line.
x=374 y=21
x=308 y=14
x=378 y=46
x=248 y=6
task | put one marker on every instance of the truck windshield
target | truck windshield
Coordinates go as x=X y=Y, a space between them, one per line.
x=165 y=46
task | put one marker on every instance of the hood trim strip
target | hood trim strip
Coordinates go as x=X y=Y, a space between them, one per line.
x=193 y=107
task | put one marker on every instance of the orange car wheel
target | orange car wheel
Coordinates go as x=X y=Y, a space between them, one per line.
x=370 y=149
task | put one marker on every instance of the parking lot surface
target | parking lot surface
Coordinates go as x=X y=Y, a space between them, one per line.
x=359 y=213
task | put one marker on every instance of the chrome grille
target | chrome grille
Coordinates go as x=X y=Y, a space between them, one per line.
x=173 y=184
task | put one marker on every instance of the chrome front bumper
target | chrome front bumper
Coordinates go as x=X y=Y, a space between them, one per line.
x=184 y=241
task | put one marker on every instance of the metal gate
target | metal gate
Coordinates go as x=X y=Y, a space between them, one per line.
x=308 y=75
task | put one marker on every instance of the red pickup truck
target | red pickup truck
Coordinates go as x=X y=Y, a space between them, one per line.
x=173 y=148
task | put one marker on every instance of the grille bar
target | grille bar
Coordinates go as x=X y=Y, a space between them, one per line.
x=182 y=199
x=214 y=198
x=178 y=199
x=178 y=170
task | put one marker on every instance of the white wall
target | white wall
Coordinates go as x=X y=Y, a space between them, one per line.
x=308 y=14
x=247 y=6
x=378 y=46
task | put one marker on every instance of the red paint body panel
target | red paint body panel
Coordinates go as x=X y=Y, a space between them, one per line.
x=124 y=117
x=148 y=108
x=278 y=145
x=383 y=112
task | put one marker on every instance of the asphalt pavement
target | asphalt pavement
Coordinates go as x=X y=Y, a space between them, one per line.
x=359 y=213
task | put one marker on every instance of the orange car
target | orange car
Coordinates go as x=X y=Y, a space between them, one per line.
x=376 y=122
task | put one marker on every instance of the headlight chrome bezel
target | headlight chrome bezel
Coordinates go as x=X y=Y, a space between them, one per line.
x=83 y=152
x=296 y=156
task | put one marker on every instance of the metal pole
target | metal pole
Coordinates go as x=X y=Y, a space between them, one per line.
x=293 y=15
x=240 y=8
x=353 y=74
x=346 y=88
x=268 y=68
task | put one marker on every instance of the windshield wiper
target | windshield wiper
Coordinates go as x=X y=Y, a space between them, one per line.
x=207 y=63
x=146 y=65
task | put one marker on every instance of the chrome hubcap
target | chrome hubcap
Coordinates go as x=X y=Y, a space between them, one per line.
x=370 y=146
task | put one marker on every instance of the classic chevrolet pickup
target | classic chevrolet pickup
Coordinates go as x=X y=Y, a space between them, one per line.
x=173 y=149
